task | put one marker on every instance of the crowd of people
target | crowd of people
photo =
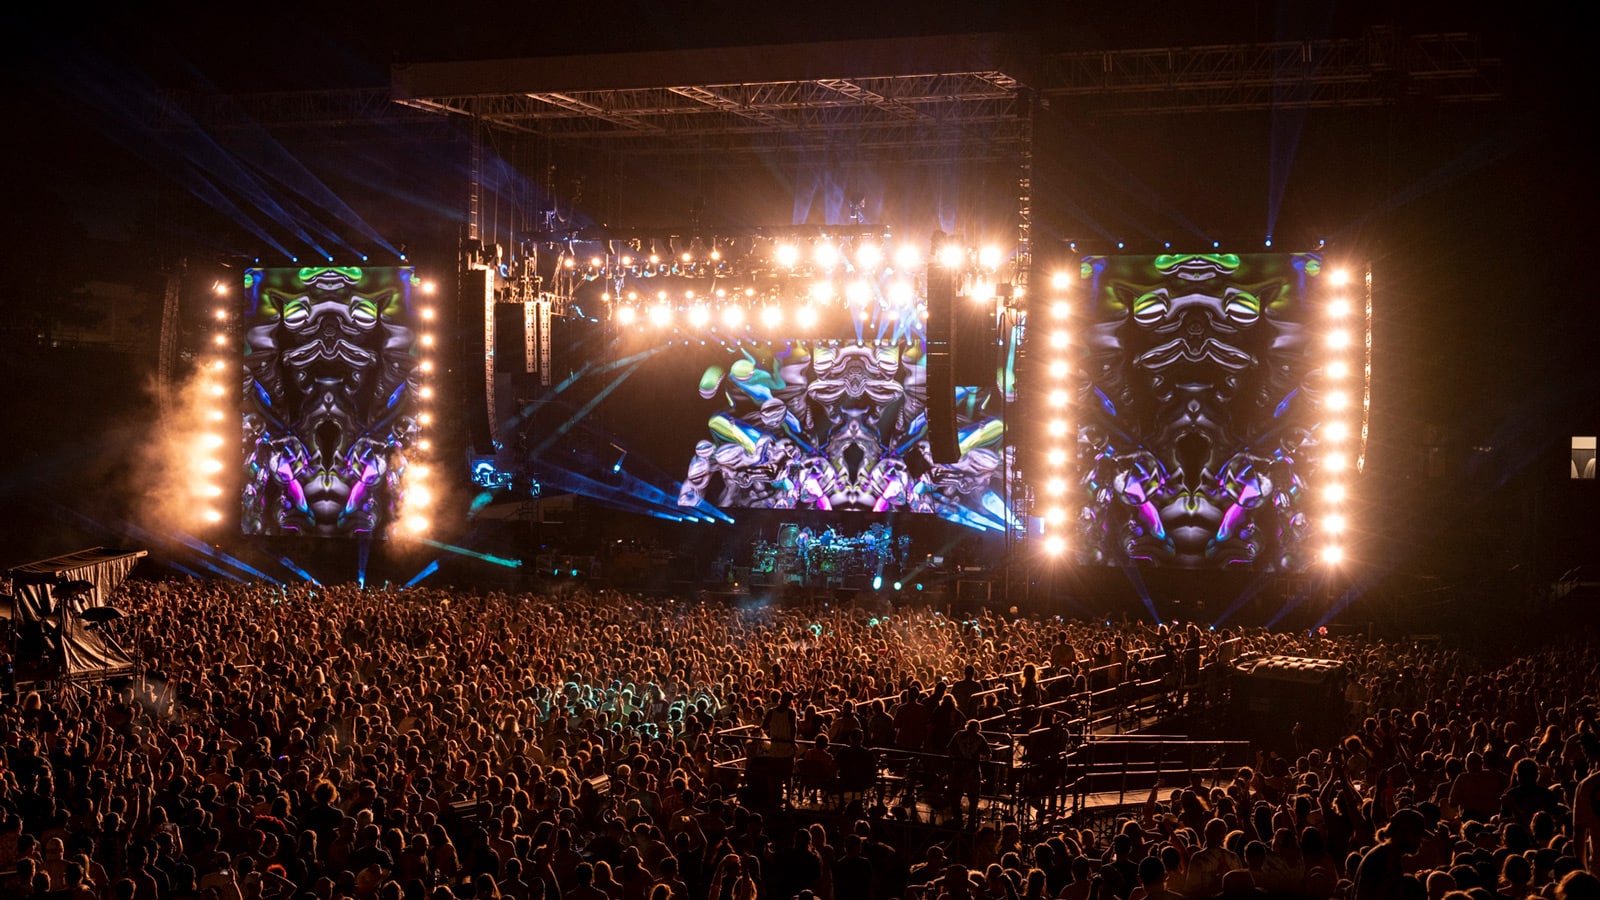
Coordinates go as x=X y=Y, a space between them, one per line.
x=334 y=742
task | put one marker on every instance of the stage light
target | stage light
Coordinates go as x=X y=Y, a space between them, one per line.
x=212 y=516
x=907 y=257
x=220 y=288
x=787 y=255
x=655 y=259
x=1333 y=524
x=425 y=392
x=1055 y=486
x=416 y=524
x=627 y=260
x=1054 y=545
x=424 y=445
x=990 y=257
x=869 y=256
x=426 y=365
x=427 y=340
x=220 y=340
x=427 y=314
x=1337 y=400
x=222 y=315
x=982 y=291
x=569 y=263
x=218 y=390
x=1057 y=428
x=858 y=292
x=1057 y=398
x=716 y=255
x=1339 y=277
x=425 y=418
x=1335 y=462
x=1333 y=493
x=1335 y=431
x=1338 y=340
x=215 y=415
x=626 y=315
x=1061 y=280
x=806 y=317
x=687 y=256
x=660 y=315
x=419 y=496
x=213 y=490
x=688 y=295
x=825 y=254
x=1339 y=308
x=428 y=287
x=218 y=365
x=901 y=293
x=1337 y=369
x=733 y=316
x=771 y=316
x=951 y=256
x=1055 y=515
x=1060 y=309
x=420 y=470
x=1057 y=457
x=210 y=466
x=1060 y=339
x=210 y=441
x=1058 y=369
x=821 y=290
x=699 y=316
x=1332 y=554
x=596 y=262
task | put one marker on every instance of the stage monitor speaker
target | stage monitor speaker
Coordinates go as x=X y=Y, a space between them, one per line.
x=510 y=338
x=475 y=321
x=941 y=371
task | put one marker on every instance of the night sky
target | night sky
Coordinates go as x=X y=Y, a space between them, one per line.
x=1478 y=219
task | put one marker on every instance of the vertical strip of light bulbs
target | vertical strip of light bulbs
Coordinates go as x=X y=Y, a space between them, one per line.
x=417 y=498
x=214 y=381
x=1340 y=434
x=1058 y=431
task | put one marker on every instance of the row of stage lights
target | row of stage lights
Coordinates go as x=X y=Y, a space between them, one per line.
x=821 y=255
x=1058 y=433
x=217 y=364
x=1345 y=401
x=418 y=493
x=792 y=287
x=216 y=367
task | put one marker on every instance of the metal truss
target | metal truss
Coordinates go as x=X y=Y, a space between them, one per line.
x=936 y=111
x=874 y=112
x=1375 y=70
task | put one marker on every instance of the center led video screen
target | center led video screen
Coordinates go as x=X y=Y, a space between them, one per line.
x=330 y=391
x=1198 y=410
x=798 y=425
x=671 y=419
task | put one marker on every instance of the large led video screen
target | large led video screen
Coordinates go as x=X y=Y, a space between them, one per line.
x=330 y=396
x=840 y=426
x=701 y=421
x=1199 y=408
